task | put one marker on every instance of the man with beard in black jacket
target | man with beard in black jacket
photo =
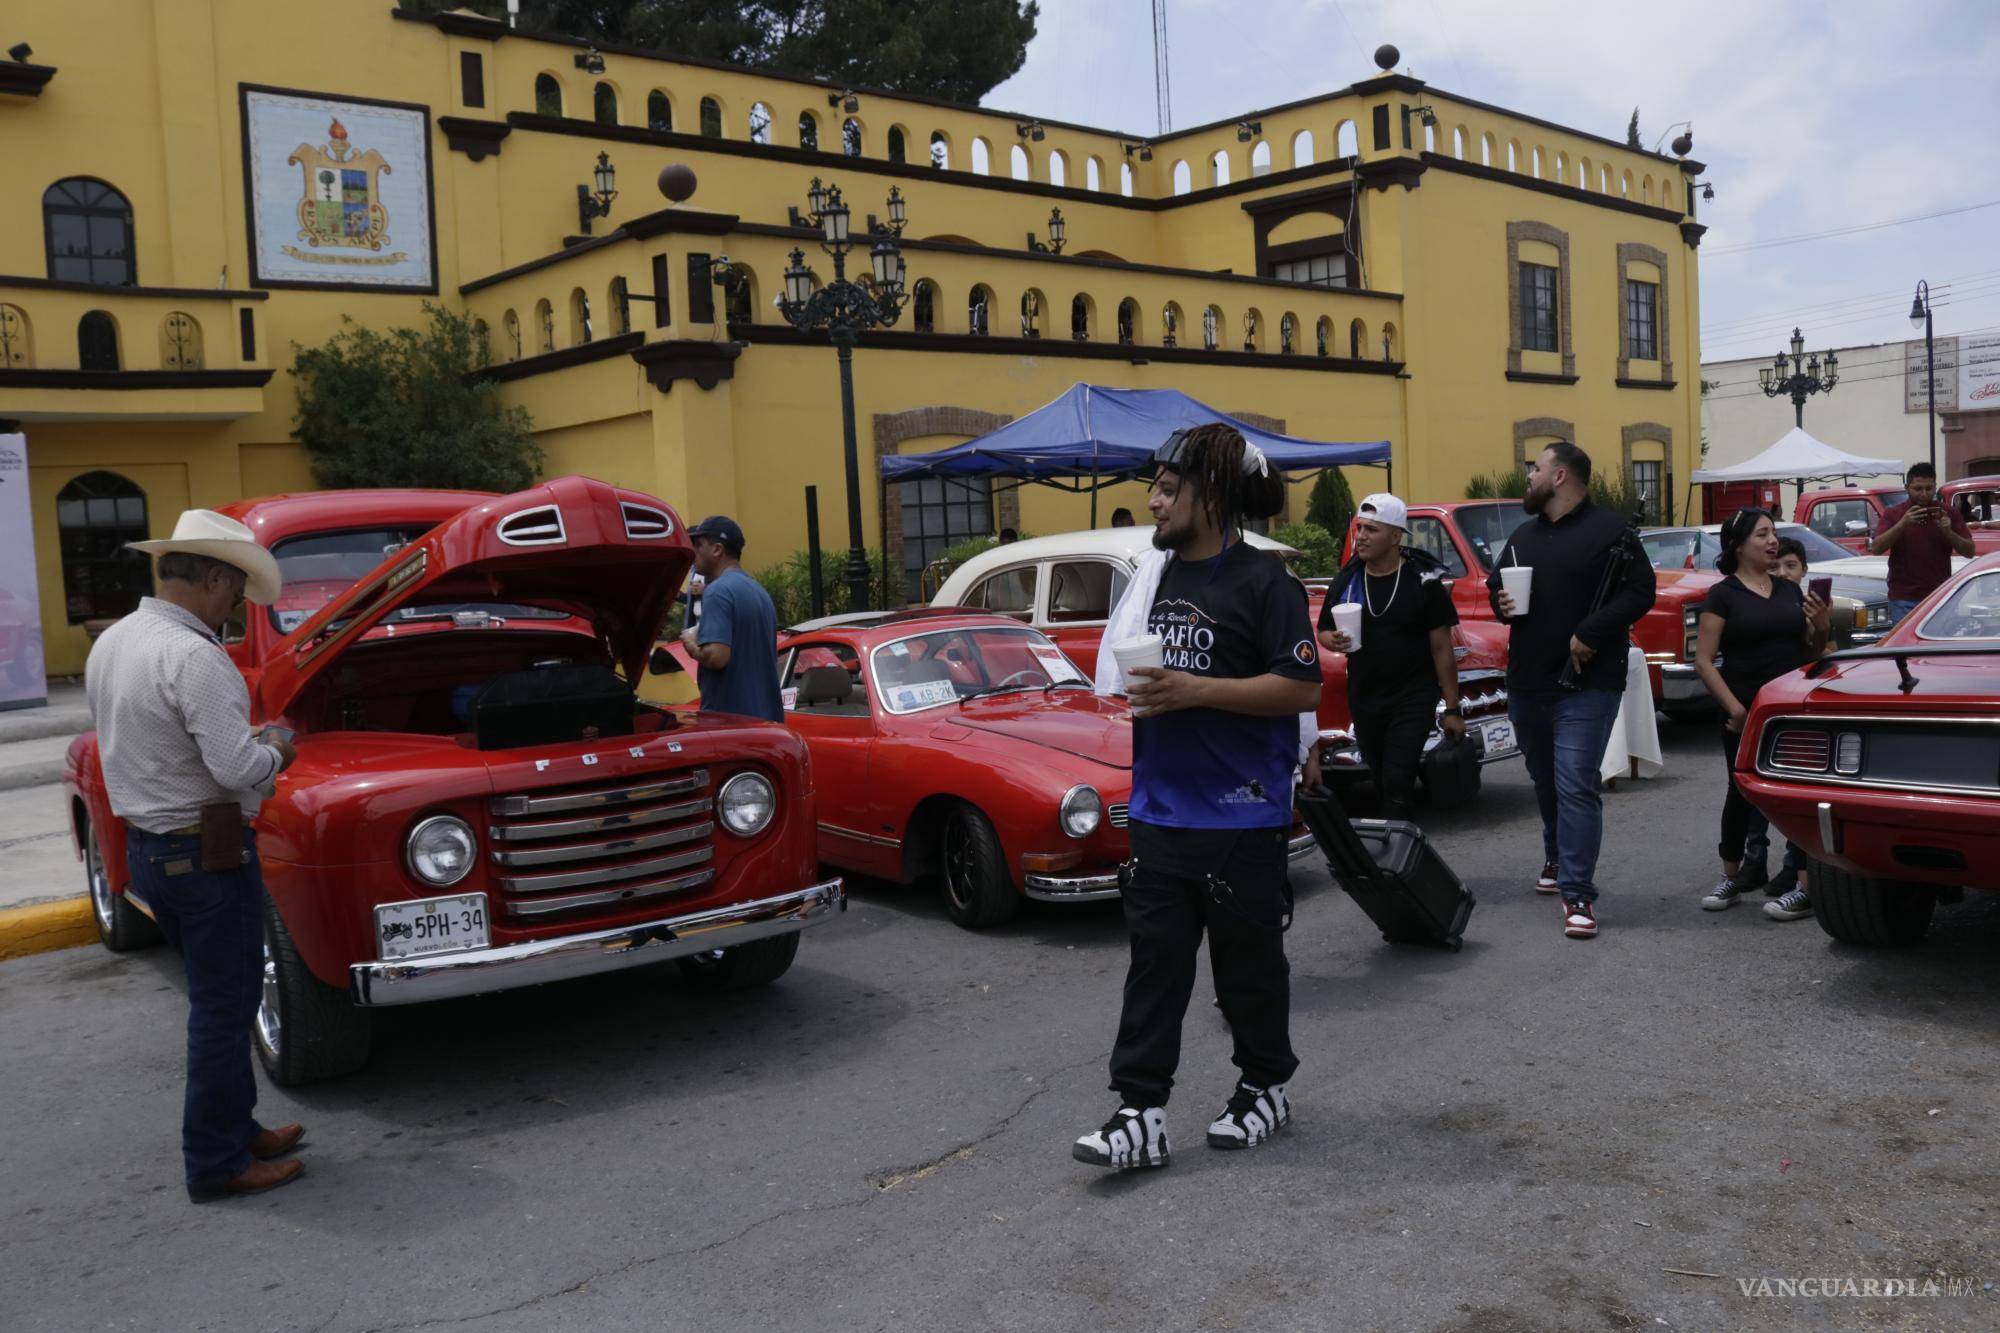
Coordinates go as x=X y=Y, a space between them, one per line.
x=1404 y=662
x=1566 y=662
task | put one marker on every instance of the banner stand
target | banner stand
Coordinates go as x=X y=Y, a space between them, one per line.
x=23 y=681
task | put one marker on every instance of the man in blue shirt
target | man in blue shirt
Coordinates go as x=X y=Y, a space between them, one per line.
x=736 y=643
x=1215 y=743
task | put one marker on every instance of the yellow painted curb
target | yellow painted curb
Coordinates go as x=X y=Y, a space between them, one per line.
x=41 y=927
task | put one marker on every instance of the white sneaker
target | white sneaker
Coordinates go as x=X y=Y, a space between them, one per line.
x=1546 y=881
x=1132 y=1138
x=1253 y=1115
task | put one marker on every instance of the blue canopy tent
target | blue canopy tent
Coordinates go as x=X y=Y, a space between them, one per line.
x=1093 y=436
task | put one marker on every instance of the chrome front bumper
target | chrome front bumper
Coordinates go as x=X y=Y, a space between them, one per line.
x=1680 y=685
x=446 y=976
x=1102 y=886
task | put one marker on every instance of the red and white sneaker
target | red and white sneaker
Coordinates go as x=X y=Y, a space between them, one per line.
x=1546 y=882
x=1579 y=921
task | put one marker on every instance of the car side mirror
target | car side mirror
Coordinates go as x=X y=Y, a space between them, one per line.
x=1856 y=527
x=663 y=663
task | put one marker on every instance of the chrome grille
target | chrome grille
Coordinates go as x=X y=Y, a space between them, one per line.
x=614 y=845
x=1119 y=815
x=1804 y=750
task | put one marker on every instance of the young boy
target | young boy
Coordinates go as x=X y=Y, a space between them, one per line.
x=1793 y=903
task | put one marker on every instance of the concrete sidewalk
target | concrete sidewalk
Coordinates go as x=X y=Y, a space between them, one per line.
x=43 y=902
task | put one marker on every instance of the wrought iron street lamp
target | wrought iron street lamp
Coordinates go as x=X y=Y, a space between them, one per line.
x=598 y=205
x=1798 y=377
x=1058 y=235
x=1920 y=318
x=842 y=310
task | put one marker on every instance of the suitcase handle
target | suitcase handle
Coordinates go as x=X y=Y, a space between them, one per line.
x=1331 y=829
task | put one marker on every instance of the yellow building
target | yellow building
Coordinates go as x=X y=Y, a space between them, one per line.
x=196 y=186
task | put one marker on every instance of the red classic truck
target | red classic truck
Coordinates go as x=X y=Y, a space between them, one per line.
x=478 y=802
x=1852 y=515
x=1466 y=535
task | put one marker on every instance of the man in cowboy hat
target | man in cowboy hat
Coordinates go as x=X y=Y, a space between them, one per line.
x=182 y=769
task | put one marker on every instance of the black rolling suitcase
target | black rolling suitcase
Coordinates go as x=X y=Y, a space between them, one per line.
x=1392 y=871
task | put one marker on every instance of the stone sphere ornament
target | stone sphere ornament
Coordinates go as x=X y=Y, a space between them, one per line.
x=1387 y=56
x=677 y=182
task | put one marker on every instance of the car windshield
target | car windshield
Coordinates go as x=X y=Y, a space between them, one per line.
x=1670 y=548
x=1817 y=547
x=320 y=567
x=1486 y=528
x=948 y=665
x=1971 y=612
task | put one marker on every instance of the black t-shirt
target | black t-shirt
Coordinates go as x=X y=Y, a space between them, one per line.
x=1237 y=615
x=1762 y=637
x=1398 y=613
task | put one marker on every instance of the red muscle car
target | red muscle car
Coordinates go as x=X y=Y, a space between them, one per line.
x=477 y=802
x=1884 y=764
x=1065 y=586
x=965 y=745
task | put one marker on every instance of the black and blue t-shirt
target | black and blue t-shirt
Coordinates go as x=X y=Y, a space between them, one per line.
x=1237 y=615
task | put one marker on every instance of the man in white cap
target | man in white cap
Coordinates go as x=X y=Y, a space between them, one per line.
x=182 y=769
x=1404 y=662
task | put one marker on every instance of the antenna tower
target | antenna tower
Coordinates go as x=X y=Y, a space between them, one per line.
x=1162 y=89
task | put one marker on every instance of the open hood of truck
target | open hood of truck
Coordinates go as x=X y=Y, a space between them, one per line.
x=613 y=557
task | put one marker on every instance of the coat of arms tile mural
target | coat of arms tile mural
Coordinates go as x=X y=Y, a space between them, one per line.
x=339 y=192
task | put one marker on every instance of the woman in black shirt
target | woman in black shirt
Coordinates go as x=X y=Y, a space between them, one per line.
x=1760 y=627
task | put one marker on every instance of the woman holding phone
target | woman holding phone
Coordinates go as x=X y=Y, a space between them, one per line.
x=1762 y=626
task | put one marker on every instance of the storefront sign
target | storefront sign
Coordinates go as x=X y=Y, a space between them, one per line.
x=1916 y=397
x=22 y=684
x=1979 y=373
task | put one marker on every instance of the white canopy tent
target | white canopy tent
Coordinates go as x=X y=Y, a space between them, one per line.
x=1800 y=457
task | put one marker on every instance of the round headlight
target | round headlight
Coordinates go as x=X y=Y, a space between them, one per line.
x=441 y=850
x=1082 y=809
x=746 y=804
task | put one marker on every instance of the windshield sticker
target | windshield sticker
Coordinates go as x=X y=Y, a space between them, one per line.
x=921 y=694
x=791 y=697
x=1054 y=663
x=900 y=649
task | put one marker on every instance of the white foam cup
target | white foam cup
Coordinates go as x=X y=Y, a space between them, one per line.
x=1147 y=650
x=1347 y=620
x=1517 y=581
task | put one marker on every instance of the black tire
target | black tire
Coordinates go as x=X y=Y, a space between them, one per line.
x=972 y=871
x=306 y=1030
x=1856 y=909
x=758 y=963
x=120 y=925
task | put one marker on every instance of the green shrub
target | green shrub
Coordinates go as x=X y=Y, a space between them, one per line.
x=1332 y=503
x=790 y=584
x=1319 y=550
x=1506 y=484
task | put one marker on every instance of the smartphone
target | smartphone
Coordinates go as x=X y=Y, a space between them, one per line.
x=1821 y=588
x=271 y=730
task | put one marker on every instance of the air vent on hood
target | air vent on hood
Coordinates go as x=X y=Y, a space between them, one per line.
x=645 y=523
x=540 y=526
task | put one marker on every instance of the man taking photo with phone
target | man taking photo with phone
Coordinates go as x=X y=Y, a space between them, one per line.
x=1920 y=536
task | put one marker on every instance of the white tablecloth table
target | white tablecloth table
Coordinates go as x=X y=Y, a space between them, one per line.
x=1634 y=747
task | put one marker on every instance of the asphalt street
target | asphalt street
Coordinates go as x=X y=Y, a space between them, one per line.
x=1528 y=1135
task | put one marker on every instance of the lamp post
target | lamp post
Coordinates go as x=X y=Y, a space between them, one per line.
x=1920 y=318
x=1799 y=377
x=598 y=205
x=842 y=309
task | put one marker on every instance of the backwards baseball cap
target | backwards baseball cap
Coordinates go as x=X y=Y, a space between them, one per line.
x=720 y=529
x=1383 y=507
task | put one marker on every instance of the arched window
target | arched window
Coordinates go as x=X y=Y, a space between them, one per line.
x=1323 y=336
x=850 y=137
x=1260 y=159
x=1458 y=143
x=896 y=144
x=604 y=104
x=1017 y=162
x=1562 y=169
x=548 y=95
x=1253 y=320
x=940 y=151
x=1218 y=168
x=1604 y=178
x=711 y=118
x=1183 y=178
x=1388 y=342
x=510 y=337
x=1357 y=340
x=659 y=112
x=1211 y=328
x=180 y=342
x=1513 y=155
x=923 y=306
x=978 y=306
x=1430 y=138
x=739 y=303
x=96 y=514
x=87 y=226
x=580 y=330
x=1485 y=150
x=760 y=123
x=1535 y=161
x=1079 y=318
x=1125 y=179
x=1170 y=325
x=1585 y=178
x=1288 y=333
x=1128 y=321
x=1646 y=190
x=1346 y=140
x=15 y=349
x=1058 y=168
x=1093 y=174
x=96 y=341
x=1625 y=186
x=545 y=327
x=982 y=157
x=808 y=131
x=619 y=298
x=1302 y=148
x=1031 y=314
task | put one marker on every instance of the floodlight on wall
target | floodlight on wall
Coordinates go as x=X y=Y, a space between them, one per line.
x=590 y=61
x=1246 y=130
x=845 y=100
x=1142 y=150
x=19 y=52
x=1031 y=129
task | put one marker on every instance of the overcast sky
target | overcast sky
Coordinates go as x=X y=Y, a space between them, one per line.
x=1810 y=116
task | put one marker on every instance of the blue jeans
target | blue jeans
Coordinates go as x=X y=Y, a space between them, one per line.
x=216 y=920
x=1898 y=608
x=1757 y=844
x=1562 y=738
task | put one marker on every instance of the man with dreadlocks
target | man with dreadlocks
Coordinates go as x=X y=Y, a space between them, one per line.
x=1215 y=741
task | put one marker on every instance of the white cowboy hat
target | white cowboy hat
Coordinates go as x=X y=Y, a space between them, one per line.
x=205 y=532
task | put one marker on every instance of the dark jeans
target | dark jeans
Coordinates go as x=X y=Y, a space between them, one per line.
x=1757 y=845
x=1390 y=732
x=1243 y=905
x=216 y=920
x=1562 y=737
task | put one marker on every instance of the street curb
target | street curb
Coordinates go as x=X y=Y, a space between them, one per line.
x=41 y=927
x=31 y=775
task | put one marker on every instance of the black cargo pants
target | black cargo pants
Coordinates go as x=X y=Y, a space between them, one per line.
x=1179 y=883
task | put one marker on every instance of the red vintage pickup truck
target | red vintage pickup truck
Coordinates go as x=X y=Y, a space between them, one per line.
x=1466 y=535
x=429 y=841
x=1852 y=515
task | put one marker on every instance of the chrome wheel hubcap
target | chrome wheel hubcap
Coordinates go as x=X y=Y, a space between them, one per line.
x=270 y=1025
x=100 y=884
